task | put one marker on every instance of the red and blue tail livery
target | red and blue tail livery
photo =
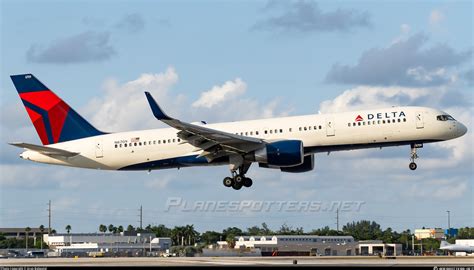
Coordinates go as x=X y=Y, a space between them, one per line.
x=53 y=119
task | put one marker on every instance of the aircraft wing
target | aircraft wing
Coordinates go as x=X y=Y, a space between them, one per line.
x=213 y=143
x=50 y=151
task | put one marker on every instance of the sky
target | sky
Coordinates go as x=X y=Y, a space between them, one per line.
x=233 y=60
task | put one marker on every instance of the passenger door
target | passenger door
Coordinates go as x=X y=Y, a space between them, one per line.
x=419 y=120
x=99 y=149
x=330 y=127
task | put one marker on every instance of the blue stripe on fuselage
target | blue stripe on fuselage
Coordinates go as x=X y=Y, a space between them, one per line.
x=169 y=163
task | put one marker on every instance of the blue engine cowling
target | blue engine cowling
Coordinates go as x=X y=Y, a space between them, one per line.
x=287 y=153
x=308 y=165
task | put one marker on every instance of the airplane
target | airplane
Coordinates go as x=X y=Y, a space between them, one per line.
x=285 y=143
x=455 y=247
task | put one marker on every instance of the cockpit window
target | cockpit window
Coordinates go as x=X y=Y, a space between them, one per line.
x=444 y=117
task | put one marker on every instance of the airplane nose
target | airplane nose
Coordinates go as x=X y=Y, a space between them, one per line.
x=462 y=129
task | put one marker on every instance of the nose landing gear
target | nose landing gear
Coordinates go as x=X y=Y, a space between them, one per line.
x=414 y=156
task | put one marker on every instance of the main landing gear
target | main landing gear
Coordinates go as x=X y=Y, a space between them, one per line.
x=238 y=179
x=414 y=156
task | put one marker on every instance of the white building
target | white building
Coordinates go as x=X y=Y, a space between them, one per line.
x=118 y=243
x=379 y=248
x=301 y=245
x=436 y=233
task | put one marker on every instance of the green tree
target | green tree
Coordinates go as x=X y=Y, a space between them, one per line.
x=211 y=237
x=363 y=230
x=102 y=228
x=68 y=228
x=120 y=229
x=111 y=228
x=130 y=228
x=161 y=231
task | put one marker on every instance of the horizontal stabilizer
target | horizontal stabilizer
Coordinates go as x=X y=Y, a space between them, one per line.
x=45 y=150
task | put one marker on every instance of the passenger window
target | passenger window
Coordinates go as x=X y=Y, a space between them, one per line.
x=354 y=124
x=373 y=122
x=246 y=133
x=281 y=130
x=399 y=120
x=383 y=121
x=300 y=128
x=368 y=123
x=378 y=121
x=179 y=140
x=140 y=143
x=251 y=133
x=130 y=144
x=256 y=132
x=173 y=140
x=125 y=145
x=305 y=128
x=135 y=144
x=144 y=143
x=169 y=140
x=289 y=129
x=309 y=128
x=116 y=146
x=276 y=131
x=271 y=131
x=120 y=145
x=154 y=142
x=348 y=124
x=315 y=127
x=320 y=127
x=363 y=123
x=359 y=124
x=404 y=119
x=265 y=132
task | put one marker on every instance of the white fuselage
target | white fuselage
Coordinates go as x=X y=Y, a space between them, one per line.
x=161 y=148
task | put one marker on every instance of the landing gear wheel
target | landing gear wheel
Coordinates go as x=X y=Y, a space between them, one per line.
x=247 y=182
x=228 y=182
x=236 y=186
x=239 y=179
x=412 y=166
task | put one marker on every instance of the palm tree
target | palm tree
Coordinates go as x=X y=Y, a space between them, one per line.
x=102 y=228
x=41 y=227
x=68 y=228
x=120 y=229
x=111 y=228
x=130 y=228
x=27 y=230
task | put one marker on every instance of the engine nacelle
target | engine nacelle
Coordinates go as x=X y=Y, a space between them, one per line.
x=308 y=165
x=287 y=153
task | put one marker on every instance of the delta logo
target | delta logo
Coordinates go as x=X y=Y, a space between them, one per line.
x=359 y=118
x=386 y=115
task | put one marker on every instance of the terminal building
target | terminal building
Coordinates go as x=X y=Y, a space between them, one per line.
x=299 y=245
x=130 y=245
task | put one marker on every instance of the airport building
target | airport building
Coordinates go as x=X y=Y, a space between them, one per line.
x=128 y=245
x=377 y=247
x=20 y=232
x=299 y=245
x=436 y=233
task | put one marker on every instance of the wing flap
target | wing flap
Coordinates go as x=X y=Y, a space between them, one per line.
x=46 y=150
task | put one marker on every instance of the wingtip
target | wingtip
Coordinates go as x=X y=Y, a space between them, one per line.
x=155 y=108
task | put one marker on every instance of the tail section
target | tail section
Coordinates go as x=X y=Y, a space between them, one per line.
x=53 y=119
x=444 y=243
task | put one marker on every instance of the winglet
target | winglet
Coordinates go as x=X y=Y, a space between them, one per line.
x=157 y=111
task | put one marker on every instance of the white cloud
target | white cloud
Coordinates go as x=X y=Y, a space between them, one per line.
x=436 y=17
x=440 y=189
x=124 y=106
x=405 y=28
x=364 y=97
x=218 y=94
